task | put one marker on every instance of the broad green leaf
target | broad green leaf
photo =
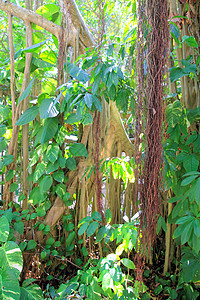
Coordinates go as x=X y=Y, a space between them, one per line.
x=9 y=284
x=175 y=32
x=3 y=144
x=52 y=152
x=50 y=241
x=97 y=103
x=83 y=228
x=77 y=73
x=73 y=118
x=49 y=130
x=31 y=245
x=47 y=109
x=29 y=115
x=31 y=292
x=173 y=113
x=19 y=227
x=190 y=40
x=13 y=187
x=88 y=100
x=50 y=12
x=61 y=190
x=4 y=112
x=39 y=171
x=176 y=73
x=35 y=47
x=78 y=149
x=191 y=163
x=71 y=237
x=71 y=163
x=197 y=191
x=184 y=219
x=10 y=175
x=59 y=176
x=188 y=180
x=11 y=257
x=46 y=183
x=42 y=64
x=4 y=229
x=186 y=234
x=27 y=91
x=101 y=233
x=108 y=215
x=197 y=227
x=92 y=228
x=96 y=216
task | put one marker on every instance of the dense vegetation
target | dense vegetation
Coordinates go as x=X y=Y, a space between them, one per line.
x=100 y=150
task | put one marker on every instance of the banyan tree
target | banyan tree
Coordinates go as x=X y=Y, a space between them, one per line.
x=103 y=138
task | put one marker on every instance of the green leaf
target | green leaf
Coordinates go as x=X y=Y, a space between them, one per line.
x=3 y=144
x=10 y=175
x=128 y=263
x=108 y=215
x=77 y=73
x=29 y=115
x=31 y=245
x=97 y=103
x=83 y=228
x=38 y=62
x=39 y=171
x=88 y=100
x=11 y=257
x=47 y=109
x=173 y=113
x=197 y=191
x=96 y=216
x=19 y=227
x=190 y=40
x=52 y=152
x=46 y=183
x=185 y=219
x=13 y=187
x=71 y=238
x=49 y=130
x=188 y=180
x=176 y=73
x=191 y=163
x=9 y=285
x=71 y=163
x=78 y=149
x=32 y=292
x=4 y=229
x=27 y=91
x=92 y=228
x=186 y=234
x=50 y=241
x=35 y=47
x=59 y=176
x=60 y=190
x=101 y=233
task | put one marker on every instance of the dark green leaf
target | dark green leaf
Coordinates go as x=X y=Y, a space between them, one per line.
x=27 y=91
x=49 y=130
x=46 y=183
x=29 y=115
x=78 y=149
x=92 y=228
x=83 y=228
x=71 y=163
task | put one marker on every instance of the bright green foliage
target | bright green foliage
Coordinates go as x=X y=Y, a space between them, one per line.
x=182 y=154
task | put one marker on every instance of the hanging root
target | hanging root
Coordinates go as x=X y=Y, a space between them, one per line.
x=153 y=47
